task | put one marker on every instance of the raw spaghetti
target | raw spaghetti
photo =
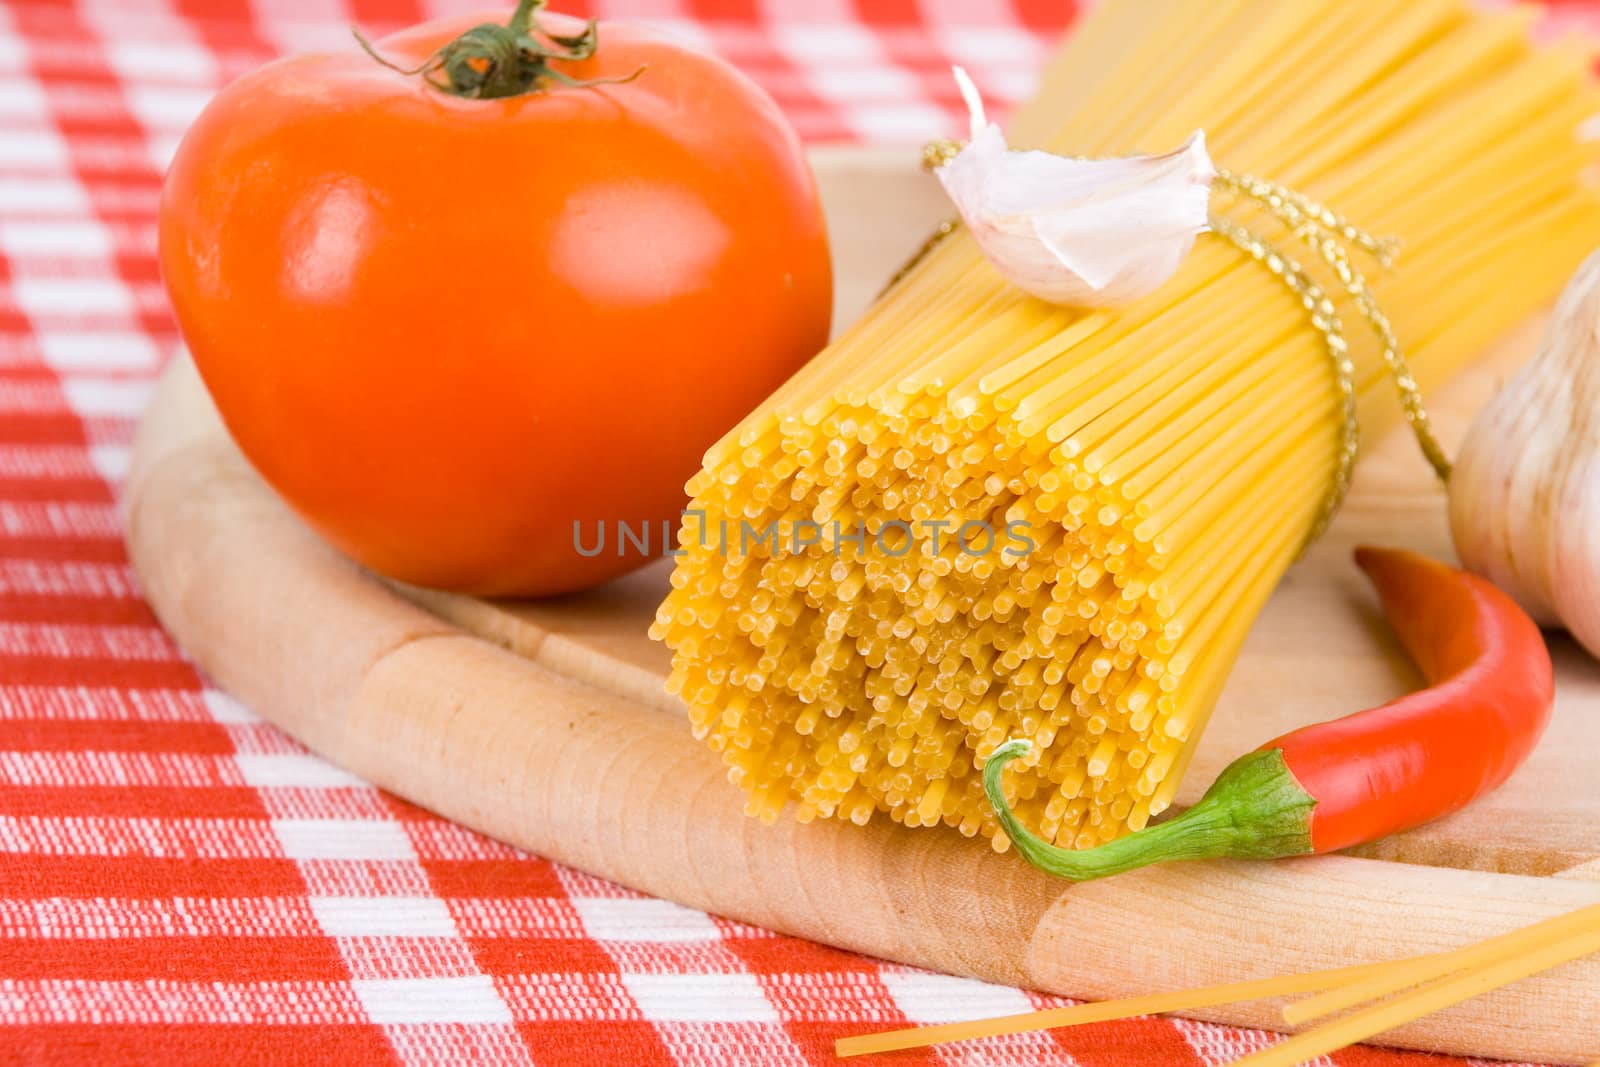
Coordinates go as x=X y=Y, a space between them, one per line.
x=977 y=516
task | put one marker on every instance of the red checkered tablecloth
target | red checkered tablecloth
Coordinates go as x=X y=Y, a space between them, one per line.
x=182 y=883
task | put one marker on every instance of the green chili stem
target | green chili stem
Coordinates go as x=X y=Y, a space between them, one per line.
x=1254 y=810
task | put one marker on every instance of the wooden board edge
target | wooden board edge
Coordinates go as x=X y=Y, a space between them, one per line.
x=551 y=650
x=511 y=748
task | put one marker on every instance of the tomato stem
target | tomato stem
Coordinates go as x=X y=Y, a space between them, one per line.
x=491 y=61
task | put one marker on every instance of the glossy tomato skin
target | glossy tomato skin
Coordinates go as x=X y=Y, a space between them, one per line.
x=447 y=329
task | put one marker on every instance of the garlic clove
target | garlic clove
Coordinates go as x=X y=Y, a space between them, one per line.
x=1089 y=232
x=1525 y=491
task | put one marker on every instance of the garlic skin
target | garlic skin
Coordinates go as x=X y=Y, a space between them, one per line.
x=1525 y=492
x=1086 y=232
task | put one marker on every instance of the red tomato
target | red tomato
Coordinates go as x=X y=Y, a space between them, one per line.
x=447 y=329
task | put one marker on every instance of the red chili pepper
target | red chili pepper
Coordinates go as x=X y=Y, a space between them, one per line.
x=1340 y=783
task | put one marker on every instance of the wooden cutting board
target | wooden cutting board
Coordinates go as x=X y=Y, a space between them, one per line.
x=545 y=725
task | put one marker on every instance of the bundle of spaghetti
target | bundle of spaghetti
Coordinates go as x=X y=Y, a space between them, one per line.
x=978 y=516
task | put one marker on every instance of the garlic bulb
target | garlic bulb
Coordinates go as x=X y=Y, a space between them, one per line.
x=1525 y=492
x=1089 y=232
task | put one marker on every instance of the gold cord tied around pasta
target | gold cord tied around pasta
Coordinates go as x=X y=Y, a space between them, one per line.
x=1157 y=429
x=1329 y=236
